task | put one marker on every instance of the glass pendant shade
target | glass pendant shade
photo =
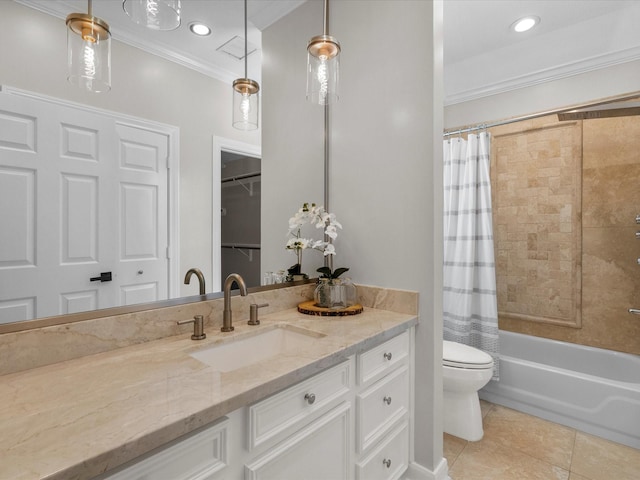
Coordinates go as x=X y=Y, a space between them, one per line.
x=246 y=105
x=246 y=102
x=154 y=14
x=88 y=52
x=323 y=64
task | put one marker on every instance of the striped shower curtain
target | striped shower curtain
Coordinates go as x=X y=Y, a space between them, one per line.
x=470 y=309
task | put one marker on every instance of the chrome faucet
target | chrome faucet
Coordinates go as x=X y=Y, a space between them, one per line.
x=227 y=322
x=197 y=273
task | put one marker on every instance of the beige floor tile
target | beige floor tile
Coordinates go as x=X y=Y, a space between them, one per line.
x=453 y=446
x=599 y=459
x=485 y=407
x=575 y=476
x=487 y=460
x=546 y=441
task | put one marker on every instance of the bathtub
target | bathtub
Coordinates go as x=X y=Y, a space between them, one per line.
x=593 y=390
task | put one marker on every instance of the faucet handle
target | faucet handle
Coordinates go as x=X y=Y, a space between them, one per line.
x=253 y=313
x=198 y=327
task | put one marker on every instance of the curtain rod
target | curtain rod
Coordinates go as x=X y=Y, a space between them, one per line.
x=484 y=126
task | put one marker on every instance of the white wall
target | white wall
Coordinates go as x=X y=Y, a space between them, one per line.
x=546 y=96
x=33 y=57
x=385 y=185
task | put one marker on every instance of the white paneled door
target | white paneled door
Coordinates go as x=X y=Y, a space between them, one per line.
x=83 y=209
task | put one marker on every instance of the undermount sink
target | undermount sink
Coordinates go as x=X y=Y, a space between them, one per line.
x=253 y=349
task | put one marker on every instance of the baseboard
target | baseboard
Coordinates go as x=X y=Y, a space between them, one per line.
x=418 y=472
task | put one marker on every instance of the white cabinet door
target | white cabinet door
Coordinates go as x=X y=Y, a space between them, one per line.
x=200 y=456
x=319 y=451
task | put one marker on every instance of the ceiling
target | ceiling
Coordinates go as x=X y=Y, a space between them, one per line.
x=482 y=55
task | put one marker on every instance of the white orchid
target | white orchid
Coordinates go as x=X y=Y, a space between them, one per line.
x=320 y=218
x=297 y=243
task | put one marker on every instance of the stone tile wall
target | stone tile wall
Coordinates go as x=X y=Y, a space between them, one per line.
x=536 y=176
x=566 y=195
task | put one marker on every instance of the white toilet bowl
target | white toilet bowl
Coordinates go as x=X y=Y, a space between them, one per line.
x=465 y=370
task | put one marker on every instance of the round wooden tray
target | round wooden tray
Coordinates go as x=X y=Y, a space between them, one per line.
x=310 y=308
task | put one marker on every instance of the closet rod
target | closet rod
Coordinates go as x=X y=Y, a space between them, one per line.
x=242 y=176
x=484 y=126
x=246 y=246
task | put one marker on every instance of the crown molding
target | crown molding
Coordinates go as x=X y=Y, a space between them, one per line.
x=545 y=75
x=207 y=69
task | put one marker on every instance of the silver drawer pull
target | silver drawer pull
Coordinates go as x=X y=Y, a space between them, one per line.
x=387 y=400
x=634 y=311
x=386 y=462
x=387 y=356
x=310 y=398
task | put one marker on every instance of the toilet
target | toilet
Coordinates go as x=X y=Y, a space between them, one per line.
x=465 y=370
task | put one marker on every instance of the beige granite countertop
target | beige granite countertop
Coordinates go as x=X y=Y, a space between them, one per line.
x=79 y=418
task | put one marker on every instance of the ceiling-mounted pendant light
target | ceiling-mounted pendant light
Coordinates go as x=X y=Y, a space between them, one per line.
x=323 y=62
x=245 y=94
x=89 y=51
x=154 y=14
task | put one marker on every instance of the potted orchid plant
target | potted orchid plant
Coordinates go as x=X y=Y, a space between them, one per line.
x=317 y=216
x=331 y=291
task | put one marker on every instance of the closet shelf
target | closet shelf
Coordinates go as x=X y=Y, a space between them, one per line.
x=241 y=247
x=240 y=180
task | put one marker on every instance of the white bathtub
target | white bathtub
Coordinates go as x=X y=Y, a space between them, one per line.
x=591 y=389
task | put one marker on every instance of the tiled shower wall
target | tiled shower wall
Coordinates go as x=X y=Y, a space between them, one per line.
x=565 y=198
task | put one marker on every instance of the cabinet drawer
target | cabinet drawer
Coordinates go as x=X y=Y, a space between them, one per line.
x=390 y=459
x=199 y=456
x=376 y=362
x=281 y=413
x=382 y=405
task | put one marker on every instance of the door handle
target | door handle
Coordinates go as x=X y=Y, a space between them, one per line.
x=104 y=277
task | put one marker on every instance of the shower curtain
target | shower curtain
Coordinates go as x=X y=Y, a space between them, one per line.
x=470 y=311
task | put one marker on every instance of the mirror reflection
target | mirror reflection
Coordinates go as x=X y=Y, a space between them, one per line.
x=158 y=124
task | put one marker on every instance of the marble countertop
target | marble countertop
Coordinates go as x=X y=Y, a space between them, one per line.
x=79 y=418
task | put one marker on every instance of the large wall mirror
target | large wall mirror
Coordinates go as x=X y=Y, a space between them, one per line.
x=192 y=98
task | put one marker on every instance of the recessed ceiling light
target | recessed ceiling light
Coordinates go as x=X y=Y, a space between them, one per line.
x=199 y=29
x=524 y=24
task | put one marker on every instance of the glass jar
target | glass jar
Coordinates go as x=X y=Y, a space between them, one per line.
x=330 y=293
x=350 y=292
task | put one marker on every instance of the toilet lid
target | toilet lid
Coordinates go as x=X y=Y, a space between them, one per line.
x=463 y=356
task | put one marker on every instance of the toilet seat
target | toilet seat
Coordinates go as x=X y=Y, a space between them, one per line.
x=458 y=355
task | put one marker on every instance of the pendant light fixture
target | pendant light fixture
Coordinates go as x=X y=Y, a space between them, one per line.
x=154 y=14
x=246 y=103
x=323 y=62
x=88 y=51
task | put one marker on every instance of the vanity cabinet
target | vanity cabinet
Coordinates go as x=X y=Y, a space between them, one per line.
x=352 y=420
x=359 y=428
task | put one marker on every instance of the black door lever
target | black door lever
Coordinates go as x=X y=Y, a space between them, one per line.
x=104 y=277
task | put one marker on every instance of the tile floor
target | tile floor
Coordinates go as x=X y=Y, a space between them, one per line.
x=517 y=446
